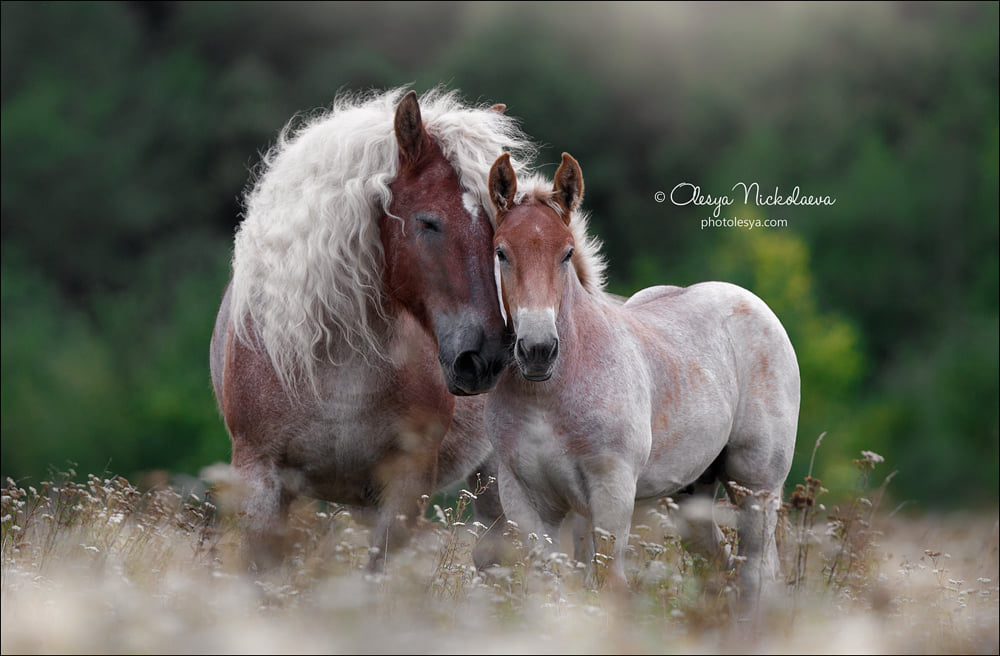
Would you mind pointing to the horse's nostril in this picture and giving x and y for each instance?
(469, 363)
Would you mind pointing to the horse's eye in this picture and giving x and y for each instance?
(427, 222)
(501, 256)
(568, 256)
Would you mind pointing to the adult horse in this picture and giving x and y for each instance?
(608, 402)
(361, 314)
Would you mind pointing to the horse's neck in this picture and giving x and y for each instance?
(381, 330)
(406, 340)
(348, 370)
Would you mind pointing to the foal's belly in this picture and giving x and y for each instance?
(678, 458)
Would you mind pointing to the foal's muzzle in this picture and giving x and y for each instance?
(536, 358)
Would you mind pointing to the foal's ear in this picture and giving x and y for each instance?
(409, 127)
(503, 185)
(568, 185)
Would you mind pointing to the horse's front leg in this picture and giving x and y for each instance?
(699, 532)
(403, 476)
(264, 504)
(583, 539)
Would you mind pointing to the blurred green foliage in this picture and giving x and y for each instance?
(129, 131)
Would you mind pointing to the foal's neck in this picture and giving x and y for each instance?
(579, 311)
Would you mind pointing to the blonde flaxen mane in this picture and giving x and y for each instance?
(307, 261)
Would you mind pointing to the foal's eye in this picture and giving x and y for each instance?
(568, 256)
(501, 256)
(427, 222)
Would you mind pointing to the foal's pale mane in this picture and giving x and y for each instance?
(588, 261)
(307, 261)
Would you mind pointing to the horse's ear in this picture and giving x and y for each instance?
(568, 185)
(503, 185)
(409, 127)
(499, 108)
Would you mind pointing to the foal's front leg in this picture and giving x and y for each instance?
(611, 492)
(491, 547)
(521, 507)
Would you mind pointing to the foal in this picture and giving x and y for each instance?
(605, 403)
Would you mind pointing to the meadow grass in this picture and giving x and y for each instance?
(99, 566)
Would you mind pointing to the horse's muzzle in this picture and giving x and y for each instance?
(474, 372)
(472, 362)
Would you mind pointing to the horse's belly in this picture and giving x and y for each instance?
(346, 459)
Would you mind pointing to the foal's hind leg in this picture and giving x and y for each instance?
(700, 533)
(757, 517)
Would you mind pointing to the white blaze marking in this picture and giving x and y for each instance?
(471, 204)
(496, 276)
(534, 320)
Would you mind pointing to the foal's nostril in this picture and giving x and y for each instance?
(520, 351)
(538, 352)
